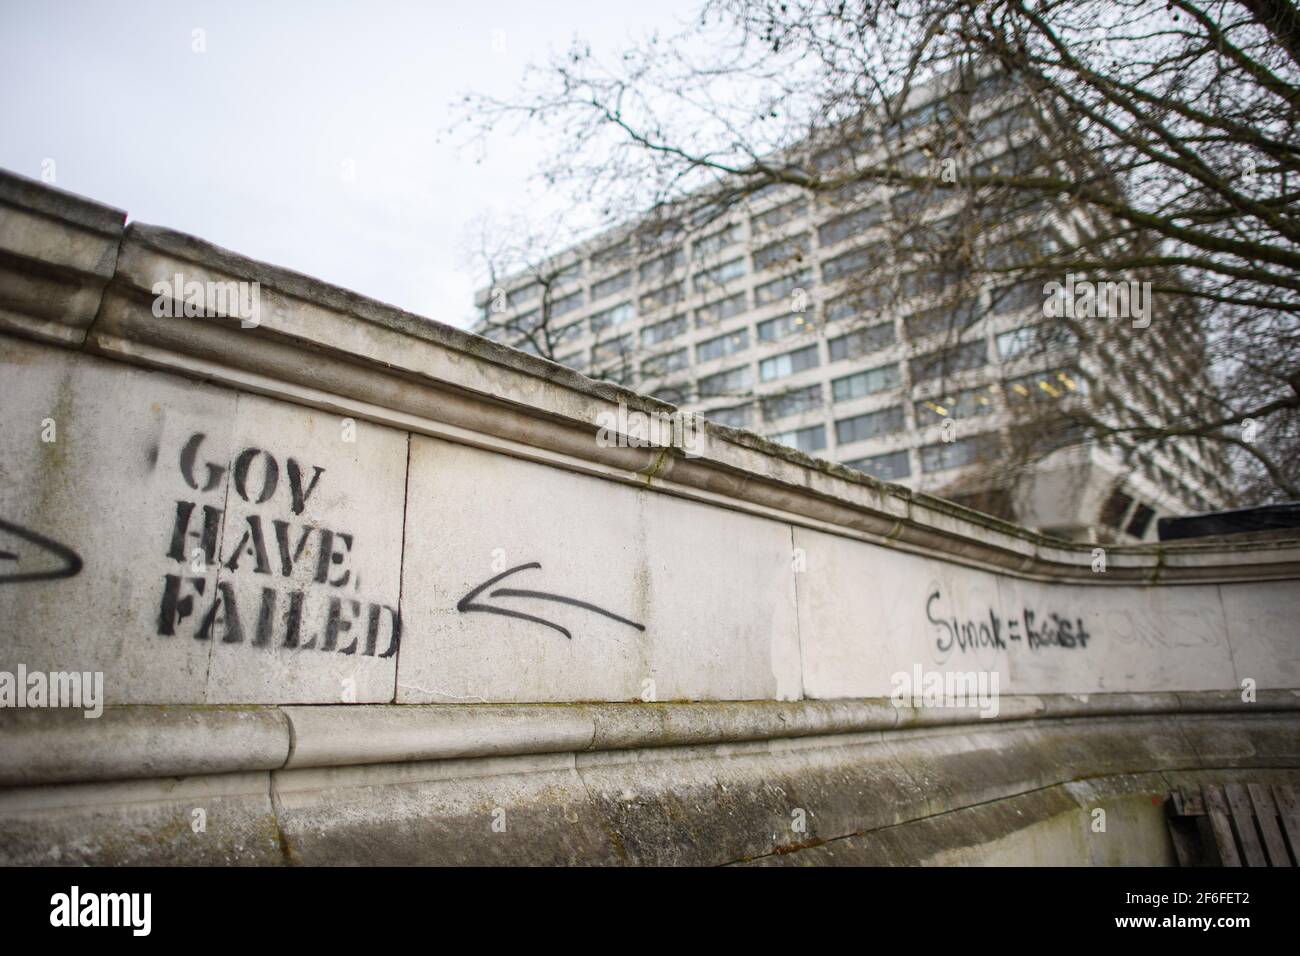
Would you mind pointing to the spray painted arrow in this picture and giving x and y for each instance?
(71, 561)
(467, 604)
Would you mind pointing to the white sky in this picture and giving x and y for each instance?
(244, 145)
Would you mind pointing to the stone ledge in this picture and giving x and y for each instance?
(325, 347)
(39, 747)
(57, 252)
(134, 742)
(686, 805)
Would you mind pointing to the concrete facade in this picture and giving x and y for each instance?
(781, 317)
(347, 572)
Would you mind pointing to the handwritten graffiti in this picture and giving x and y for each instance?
(69, 561)
(999, 632)
(302, 568)
(468, 604)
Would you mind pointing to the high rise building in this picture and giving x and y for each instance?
(842, 323)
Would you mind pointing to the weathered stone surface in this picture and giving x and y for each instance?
(57, 251)
(222, 820)
(60, 745)
(685, 602)
(343, 736)
(105, 488)
(509, 811)
(867, 615)
(335, 490)
(1263, 621)
(174, 497)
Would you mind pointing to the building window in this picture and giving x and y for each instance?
(574, 360)
(719, 275)
(780, 288)
(844, 151)
(887, 421)
(1022, 249)
(782, 253)
(661, 266)
(672, 394)
(780, 366)
(779, 215)
(853, 261)
(808, 440)
(567, 304)
(738, 416)
(526, 322)
(726, 383)
(610, 317)
(784, 326)
(946, 319)
(567, 334)
(568, 273)
(1044, 386)
(663, 331)
(1016, 342)
(956, 454)
(1013, 298)
(717, 241)
(613, 349)
(715, 312)
(667, 295)
(613, 284)
(850, 224)
(855, 304)
(1113, 511)
(792, 402)
(1001, 124)
(728, 344)
(612, 254)
(935, 111)
(949, 361)
(887, 467)
(1041, 337)
(865, 383)
(668, 362)
(525, 294)
(964, 404)
(862, 341)
(910, 203)
(931, 281)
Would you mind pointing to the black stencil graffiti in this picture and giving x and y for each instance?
(70, 560)
(284, 575)
(467, 604)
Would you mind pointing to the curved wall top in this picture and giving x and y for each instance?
(326, 499)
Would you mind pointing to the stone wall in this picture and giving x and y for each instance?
(332, 502)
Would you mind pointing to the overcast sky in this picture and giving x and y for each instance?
(249, 144)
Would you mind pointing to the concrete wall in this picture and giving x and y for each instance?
(334, 505)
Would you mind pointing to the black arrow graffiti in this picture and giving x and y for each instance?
(71, 560)
(467, 604)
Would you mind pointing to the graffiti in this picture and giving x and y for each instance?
(300, 568)
(1000, 632)
(468, 604)
(70, 562)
